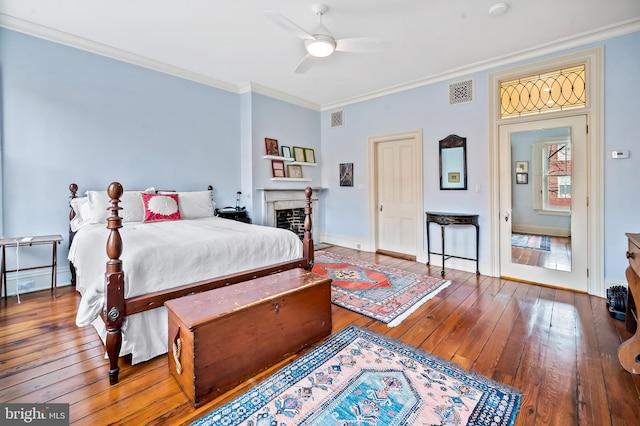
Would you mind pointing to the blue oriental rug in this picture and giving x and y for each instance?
(359, 377)
(532, 242)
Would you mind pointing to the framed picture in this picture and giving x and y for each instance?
(294, 170)
(522, 178)
(298, 154)
(309, 155)
(272, 146)
(277, 168)
(453, 177)
(346, 174)
(286, 151)
(522, 167)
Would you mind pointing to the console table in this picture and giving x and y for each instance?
(444, 220)
(54, 240)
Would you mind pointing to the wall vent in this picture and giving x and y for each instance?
(337, 119)
(461, 92)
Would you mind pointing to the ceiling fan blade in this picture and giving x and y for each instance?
(288, 25)
(305, 64)
(363, 45)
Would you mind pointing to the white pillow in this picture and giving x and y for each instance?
(195, 204)
(83, 214)
(131, 203)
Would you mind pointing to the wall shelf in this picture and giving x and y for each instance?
(302, 163)
(276, 157)
(292, 179)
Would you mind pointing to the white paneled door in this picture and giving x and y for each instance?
(398, 187)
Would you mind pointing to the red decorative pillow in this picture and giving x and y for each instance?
(159, 207)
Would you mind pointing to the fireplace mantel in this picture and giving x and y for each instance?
(283, 199)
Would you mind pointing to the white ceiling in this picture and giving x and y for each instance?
(232, 44)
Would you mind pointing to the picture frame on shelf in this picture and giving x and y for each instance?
(522, 178)
(277, 168)
(272, 147)
(298, 154)
(346, 174)
(294, 171)
(286, 151)
(309, 155)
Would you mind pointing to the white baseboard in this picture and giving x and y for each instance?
(541, 230)
(36, 280)
(346, 242)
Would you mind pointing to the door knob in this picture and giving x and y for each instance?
(380, 207)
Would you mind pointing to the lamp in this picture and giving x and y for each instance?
(321, 46)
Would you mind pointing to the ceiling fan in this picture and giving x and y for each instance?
(319, 43)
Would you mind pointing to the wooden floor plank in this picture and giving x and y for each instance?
(558, 347)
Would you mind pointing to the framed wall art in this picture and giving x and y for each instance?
(346, 174)
(522, 178)
(272, 146)
(522, 167)
(286, 151)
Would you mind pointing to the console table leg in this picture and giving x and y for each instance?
(442, 236)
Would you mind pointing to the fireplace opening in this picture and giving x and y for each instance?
(291, 219)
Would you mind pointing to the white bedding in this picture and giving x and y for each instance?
(161, 255)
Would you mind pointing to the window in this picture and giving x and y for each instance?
(557, 90)
(551, 163)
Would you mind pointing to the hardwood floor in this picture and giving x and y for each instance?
(558, 347)
(558, 257)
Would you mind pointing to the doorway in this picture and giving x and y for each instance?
(543, 209)
(396, 194)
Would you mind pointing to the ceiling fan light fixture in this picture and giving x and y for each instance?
(321, 46)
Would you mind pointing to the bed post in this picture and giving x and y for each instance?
(114, 312)
(307, 241)
(73, 188)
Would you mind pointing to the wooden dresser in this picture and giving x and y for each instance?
(629, 351)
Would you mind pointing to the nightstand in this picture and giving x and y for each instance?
(239, 215)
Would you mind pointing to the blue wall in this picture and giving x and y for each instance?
(72, 116)
(427, 108)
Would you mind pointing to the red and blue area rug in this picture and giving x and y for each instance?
(359, 377)
(386, 294)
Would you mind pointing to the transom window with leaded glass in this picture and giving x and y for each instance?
(557, 90)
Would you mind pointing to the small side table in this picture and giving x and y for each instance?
(446, 219)
(54, 240)
(239, 215)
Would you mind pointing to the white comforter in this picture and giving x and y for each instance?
(162, 255)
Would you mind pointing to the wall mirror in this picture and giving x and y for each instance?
(453, 162)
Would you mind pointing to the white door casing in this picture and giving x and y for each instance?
(593, 59)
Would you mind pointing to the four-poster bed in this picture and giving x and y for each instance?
(122, 310)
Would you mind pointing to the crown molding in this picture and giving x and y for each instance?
(70, 40)
(276, 94)
(578, 40)
(575, 41)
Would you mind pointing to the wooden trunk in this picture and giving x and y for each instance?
(229, 334)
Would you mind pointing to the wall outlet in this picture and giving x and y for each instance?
(27, 285)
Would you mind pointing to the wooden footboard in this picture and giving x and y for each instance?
(117, 307)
